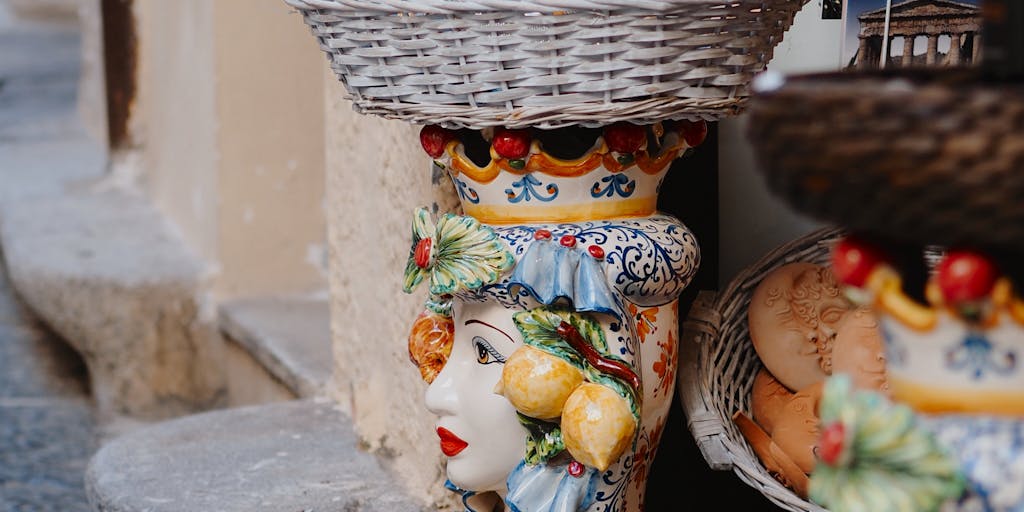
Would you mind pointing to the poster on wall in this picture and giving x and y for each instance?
(868, 24)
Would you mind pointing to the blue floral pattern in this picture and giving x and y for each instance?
(615, 184)
(650, 261)
(466, 192)
(980, 358)
(526, 190)
(990, 452)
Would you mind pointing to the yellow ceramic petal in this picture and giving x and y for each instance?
(597, 425)
(538, 383)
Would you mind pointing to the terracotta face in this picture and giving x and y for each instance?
(796, 427)
(793, 317)
(478, 429)
(859, 351)
(768, 398)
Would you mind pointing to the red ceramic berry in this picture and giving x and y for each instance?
(433, 138)
(576, 469)
(596, 251)
(694, 132)
(830, 447)
(965, 275)
(568, 241)
(422, 253)
(511, 144)
(542, 234)
(623, 137)
(853, 260)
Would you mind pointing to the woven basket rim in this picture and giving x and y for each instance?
(743, 463)
(524, 6)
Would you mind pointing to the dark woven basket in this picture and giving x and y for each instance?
(937, 158)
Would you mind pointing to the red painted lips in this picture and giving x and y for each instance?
(451, 445)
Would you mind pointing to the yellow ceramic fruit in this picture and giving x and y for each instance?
(538, 383)
(597, 425)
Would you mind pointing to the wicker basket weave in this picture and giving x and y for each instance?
(547, 63)
(718, 365)
(935, 158)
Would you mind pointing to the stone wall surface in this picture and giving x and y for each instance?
(229, 123)
(377, 175)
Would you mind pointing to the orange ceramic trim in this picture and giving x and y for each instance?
(506, 214)
(539, 161)
(655, 165)
(1017, 310)
(1002, 298)
(891, 299)
(463, 165)
(542, 162)
(936, 399)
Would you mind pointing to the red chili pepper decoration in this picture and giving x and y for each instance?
(617, 369)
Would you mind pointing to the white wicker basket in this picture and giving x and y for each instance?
(547, 63)
(718, 365)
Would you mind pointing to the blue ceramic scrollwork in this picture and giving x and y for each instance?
(616, 184)
(525, 189)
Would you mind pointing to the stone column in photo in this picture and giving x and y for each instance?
(908, 50)
(863, 59)
(933, 49)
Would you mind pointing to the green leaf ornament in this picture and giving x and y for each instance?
(457, 254)
(875, 457)
(544, 441)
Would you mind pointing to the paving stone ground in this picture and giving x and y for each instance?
(47, 429)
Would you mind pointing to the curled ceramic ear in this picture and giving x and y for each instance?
(430, 343)
(538, 383)
(597, 425)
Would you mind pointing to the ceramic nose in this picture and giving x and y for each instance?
(441, 397)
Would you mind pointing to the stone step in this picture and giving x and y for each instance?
(285, 457)
(289, 336)
(106, 271)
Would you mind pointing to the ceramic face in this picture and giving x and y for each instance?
(859, 351)
(481, 435)
(793, 320)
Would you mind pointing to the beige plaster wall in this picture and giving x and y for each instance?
(271, 143)
(229, 119)
(377, 175)
(175, 116)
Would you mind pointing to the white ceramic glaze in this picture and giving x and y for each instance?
(954, 367)
(463, 398)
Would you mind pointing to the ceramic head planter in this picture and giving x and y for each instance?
(561, 364)
(955, 440)
(957, 352)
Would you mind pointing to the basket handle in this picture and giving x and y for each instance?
(705, 425)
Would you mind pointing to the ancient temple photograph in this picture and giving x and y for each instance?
(917, 33)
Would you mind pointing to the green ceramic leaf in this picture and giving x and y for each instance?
(467, 254)
(888, 462)
(544, 441)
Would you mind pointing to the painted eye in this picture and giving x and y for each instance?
(485, 352)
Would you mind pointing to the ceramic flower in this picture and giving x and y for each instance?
(457, 254)
(875, 456)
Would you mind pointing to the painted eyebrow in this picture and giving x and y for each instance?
(481, 322)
